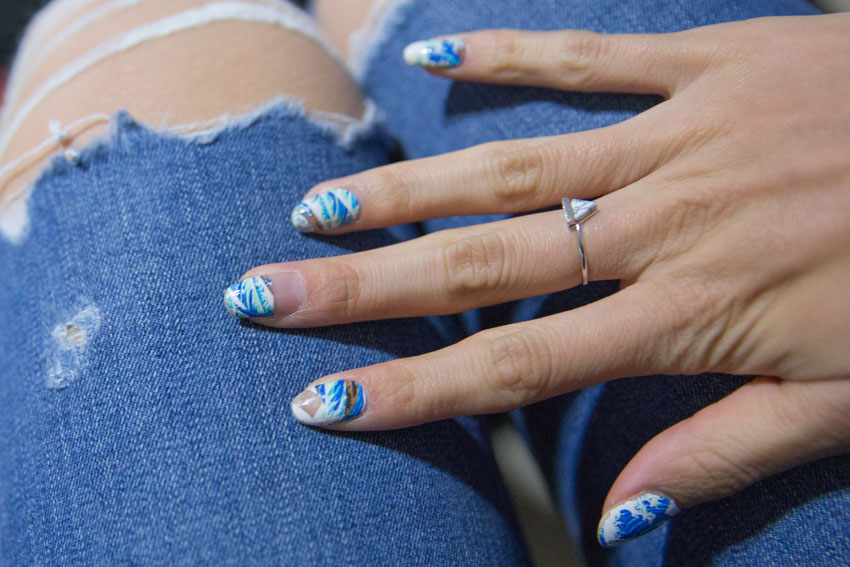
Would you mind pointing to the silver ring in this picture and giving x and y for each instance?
(577, 211)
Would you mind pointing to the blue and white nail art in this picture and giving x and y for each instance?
(326, 210)
(440, 52)
(250, 298)
(330, 402)
(635, 517)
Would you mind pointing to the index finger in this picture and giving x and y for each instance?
(569, 59)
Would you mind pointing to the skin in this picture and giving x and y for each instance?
(174, 80)
(339, 19)
(724, 212)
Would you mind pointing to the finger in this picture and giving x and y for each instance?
(444, 272)
(571, 59)
(499, 177)
(503, 368)
(763, 428)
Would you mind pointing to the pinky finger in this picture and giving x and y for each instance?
(763, 428)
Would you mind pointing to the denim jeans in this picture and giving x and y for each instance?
(141, 425)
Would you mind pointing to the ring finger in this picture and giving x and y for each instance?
(499, 177)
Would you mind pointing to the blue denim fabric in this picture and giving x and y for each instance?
(583, 440)
(171, 443)
(162, 435)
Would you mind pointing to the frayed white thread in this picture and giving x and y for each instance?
(13, 210)
(20, 77)
(62, 138)
(14, 215)
(363, 43)
(345, 128)
(72, 155)
(70, 343)
(46, 48)
(14, 220)
(292, 19)
(42, 23)
(50, 17)
(60, 135)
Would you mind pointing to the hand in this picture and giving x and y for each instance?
(724, 212)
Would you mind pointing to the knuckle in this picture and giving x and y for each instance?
(518, 175)
(519, 365)
(410, 394)
(401, 387)
(716, 473)
(582, 54)
(395, 184)
(682, 216)
(698, 336)
(340, 291)
(476, 264)
(505, 54)
(697, 132)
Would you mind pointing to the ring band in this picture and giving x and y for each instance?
(576, 211)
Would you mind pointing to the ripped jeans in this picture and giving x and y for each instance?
(141, 425)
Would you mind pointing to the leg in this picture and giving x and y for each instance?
(585, 439)
(339, 19)
(224, 77)
(141, 424)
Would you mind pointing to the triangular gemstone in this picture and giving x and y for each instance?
(582, 209)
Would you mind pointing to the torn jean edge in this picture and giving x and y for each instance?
(293, 19)
(365, 44)
(47, 46)
(346, 131)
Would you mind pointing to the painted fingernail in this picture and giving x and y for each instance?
(326, 210)
(635, 517)
(329, 402)
(439, 52)
(253, 297)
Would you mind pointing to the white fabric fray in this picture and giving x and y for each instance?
(364, 43)
(208, 13)
(14, 214)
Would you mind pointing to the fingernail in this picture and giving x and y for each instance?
(439, 52)
(329, 402)
(326, 210)
(635, 517)
(253, 297)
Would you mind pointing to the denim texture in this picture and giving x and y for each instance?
(583, 440)
(171, 442)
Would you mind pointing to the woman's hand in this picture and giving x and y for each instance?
(724, 212)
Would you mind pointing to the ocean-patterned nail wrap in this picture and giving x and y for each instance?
(326, 210)
(442, 52)
(331, 402)
(635, 517)
(250, 298)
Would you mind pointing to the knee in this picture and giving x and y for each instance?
(169, 63)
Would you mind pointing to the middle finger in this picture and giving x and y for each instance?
(444, 272)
